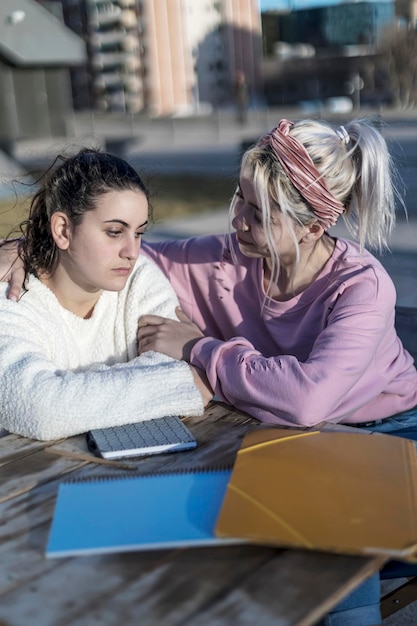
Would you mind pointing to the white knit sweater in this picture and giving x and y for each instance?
(61, 375)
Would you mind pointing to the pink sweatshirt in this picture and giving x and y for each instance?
(330, 353)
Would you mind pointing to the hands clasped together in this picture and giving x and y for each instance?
(171, 337)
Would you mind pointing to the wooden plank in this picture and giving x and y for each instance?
(72, 587)
(25, 473)
(71, 452)
(281, 587)
(13, 447)
(296, 590)
(222, 586)
(93, 585)
(24, 531)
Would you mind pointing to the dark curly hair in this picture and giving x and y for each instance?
(71, 187)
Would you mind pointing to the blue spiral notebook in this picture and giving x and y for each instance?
(156, 511)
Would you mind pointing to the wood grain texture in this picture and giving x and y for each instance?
(202, 586)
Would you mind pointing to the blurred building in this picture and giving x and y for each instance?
(164, 56)
(36, 50)
(406, 10)
(195, 49)
(326, 52)
(345, 24)
(111, 78)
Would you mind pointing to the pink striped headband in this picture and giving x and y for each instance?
(300, 169)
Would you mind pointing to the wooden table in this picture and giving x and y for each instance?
(201, 586)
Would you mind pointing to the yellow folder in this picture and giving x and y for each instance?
(333, 491)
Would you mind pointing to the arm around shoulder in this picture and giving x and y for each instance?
(11, 268)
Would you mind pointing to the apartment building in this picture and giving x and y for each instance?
(111, 78)
(166, 57)
(194, 49)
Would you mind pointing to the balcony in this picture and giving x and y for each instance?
(129, 19)
(100, 61)
(106, 80)
(133, 84)
(104, 15)
(131, 44)
(102, 40)
(113, 15)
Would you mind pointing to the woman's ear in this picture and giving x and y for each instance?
(61, 229)
(314, 231)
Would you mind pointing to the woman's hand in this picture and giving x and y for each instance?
(11, 268)
(176, 339)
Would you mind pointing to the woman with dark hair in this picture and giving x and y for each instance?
(68, 348)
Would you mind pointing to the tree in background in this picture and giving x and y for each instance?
(398, 49)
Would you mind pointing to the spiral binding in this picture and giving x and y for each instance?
(150, 474)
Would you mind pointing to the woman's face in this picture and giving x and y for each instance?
(102, 250)
(247, 222)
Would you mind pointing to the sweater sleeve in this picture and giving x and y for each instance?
(41, 401)
(341, 373)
